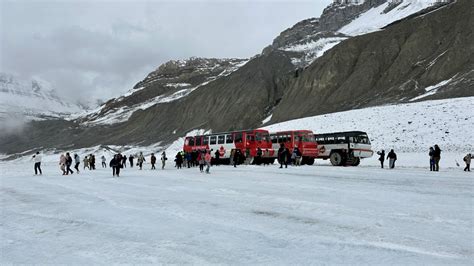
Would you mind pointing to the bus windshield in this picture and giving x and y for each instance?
(362, 139)
(304, 136)
(261, 136)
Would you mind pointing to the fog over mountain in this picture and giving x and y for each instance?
(92, 50)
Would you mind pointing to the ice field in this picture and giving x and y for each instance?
(244, 215)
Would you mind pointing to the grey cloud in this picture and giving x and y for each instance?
(90, 50)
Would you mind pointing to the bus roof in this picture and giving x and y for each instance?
(345, 133)
(228, 132)
(288, 131)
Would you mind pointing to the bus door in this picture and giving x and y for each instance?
(239, 141)
(250, 146)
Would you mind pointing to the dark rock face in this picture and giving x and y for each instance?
(390, 66)
(385, 67)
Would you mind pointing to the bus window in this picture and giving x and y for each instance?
(274, 138)
(238, 137)
(363, 139)
(191, 141)
(250, 138)
(229, 139)
(340, 139)
(330, 140)
(213, 140)
(220, 139)
(198, 141)
(205, 140)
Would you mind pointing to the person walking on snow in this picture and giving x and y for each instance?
(115, 165)
(179, 160)
(130, 159)
(163, 160)
(77, 161)
(86, 162)
(153, 161)
(62, 163)
(467, 160)
(104, 161)
(437, 157)
(208, 158)
(68, 164)
(392, 156)
(382, 157)
(37, 159)
(282, 156)
(432, 161)
(141, 160)
(124, 161)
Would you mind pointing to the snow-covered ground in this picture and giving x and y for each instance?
(245, 215)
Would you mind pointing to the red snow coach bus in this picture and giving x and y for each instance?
(247, 141)
(302, 139)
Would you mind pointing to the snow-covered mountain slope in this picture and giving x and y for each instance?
(410, 127)
(170, 82)
(385, 14)
(31, 100)
(311, 38)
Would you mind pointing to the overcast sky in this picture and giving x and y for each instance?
(100, 49)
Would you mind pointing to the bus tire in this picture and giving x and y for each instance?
(356, 161)
(336, 159)
(308, 161)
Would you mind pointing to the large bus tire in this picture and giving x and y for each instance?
(308, 161)
(336, 159)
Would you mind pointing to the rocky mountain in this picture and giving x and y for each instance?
(33, 99)
(170, 82)
(357, 54)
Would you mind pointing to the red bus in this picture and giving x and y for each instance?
(303, 139)
(247, 141)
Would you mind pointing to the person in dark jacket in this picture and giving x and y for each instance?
(217, 156)
(115, 165)
(467, 161)
(432, 161)
(68, 164)
(436, 156)
(392, 157)
(258, 158)
(130, 159)
(124, 161)
(382, 157)
(237, 157)
(282, 156)
(179, 160)
(153, 161)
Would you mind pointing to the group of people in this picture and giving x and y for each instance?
(285, 157)
(199, 158)
(391, 157)
(65, 163)
(204, 160)
(434, 155)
